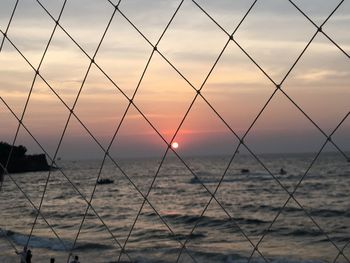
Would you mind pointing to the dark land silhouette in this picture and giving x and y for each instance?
(19, 161)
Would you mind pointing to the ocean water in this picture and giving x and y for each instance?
(312, 229)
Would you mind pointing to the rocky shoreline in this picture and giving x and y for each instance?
(20, 162)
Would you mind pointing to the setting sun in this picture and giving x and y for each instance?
(175, 145)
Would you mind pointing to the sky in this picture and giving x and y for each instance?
(274, 34)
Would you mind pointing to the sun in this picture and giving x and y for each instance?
(175, 145)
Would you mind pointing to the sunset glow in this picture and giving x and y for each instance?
(236, 88)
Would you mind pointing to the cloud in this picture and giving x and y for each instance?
(274, 34)
(321, 75)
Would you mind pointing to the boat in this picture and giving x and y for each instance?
(105, 181)
(195, 180)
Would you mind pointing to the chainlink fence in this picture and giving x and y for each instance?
(154, 46)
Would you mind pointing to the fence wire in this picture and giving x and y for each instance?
(231, 40)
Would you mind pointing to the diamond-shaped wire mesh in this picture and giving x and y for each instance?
(147, 41)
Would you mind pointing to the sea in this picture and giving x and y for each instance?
(199, 209)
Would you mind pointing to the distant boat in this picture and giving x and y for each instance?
(245, 171)
(282, 171)
(195, 180)
(105, 181)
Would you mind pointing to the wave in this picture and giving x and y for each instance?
(60, 214)
(142, 235)
(88, 246)
(35, 241)
(167, 255)
(207, 221)
(241, 257)
(305, 232)
(313, 212)
(207, 178)
(330, 212)
(254, 226)
(48, 243)
(237, 257)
